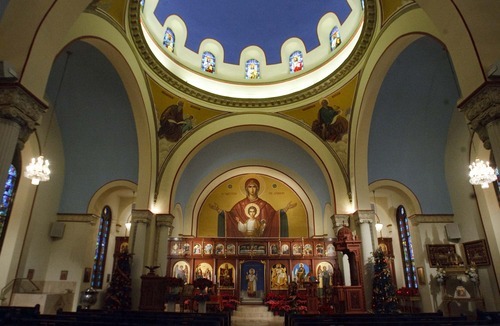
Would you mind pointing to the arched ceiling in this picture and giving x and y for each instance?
(235, 32)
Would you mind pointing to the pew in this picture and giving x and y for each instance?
(30, 316)
(490, 316)
(430, 319)
(9, 313)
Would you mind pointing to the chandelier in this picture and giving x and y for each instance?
(38, 170)
(481, 173)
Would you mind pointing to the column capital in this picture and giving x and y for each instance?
(142, 216)
(163, 220)
(340, 220)
(481, 108)
(18, 105)
(364, 216)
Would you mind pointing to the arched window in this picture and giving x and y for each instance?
(252, 69)
(496, 184)
(208, 62)
(101, 248)
(296, 62)
(335, 39)
(169, 40)
(9, 191)
(406, 248)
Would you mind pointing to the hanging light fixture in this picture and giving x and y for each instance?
(378, 226)
(481, 173)
(38, 169)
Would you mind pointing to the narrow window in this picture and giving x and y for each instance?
(406, 248)
(335, 39)
(9, 191)
(296, 62)
(169, 40)
(101, 248)
(252, 69)
(208, 62)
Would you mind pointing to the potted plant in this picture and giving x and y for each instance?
(174, 287)
(202, 296)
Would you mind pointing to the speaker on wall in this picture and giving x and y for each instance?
(57, 230)
(452, 231)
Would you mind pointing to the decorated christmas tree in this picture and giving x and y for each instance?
(384, 293)
(118, 293)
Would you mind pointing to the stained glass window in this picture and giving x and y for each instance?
(335, 39)
(169, 40)
(296, 62)
(208, 62)
(7, 200)
(406, 248)
(101, 249)
(252, 69)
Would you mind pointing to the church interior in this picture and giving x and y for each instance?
(270, 148)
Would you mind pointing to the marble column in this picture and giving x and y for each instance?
(164, 227)
(19, 116)
(141, 220)
(366, 220)
(482, 110)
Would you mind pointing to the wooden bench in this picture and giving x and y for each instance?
(9, 313)
(30, 316)
(376, 319)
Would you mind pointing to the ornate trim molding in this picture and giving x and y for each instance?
(142, 216)
(164, 220)
(78, 218)
(481, 108)
(362, 216)
(191, 91)
(18, 105)
(431, 218)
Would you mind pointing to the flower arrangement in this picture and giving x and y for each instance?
(202, 283)
(471, 272)
(229, 303)
(280, 304)
(172, 282)
(201, 297)
(174, 286)
(440, 275)
(407, 292)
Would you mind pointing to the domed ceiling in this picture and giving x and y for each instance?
(252, 51)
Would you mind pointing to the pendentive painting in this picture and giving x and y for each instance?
(252, 205)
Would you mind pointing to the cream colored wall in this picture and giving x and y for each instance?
(13, 244)
(73, 253)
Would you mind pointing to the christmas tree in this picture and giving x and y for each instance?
(384, 293)
(118, 293)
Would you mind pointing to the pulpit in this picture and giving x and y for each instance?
(153, 289)
(353, 295)
(312, 298)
